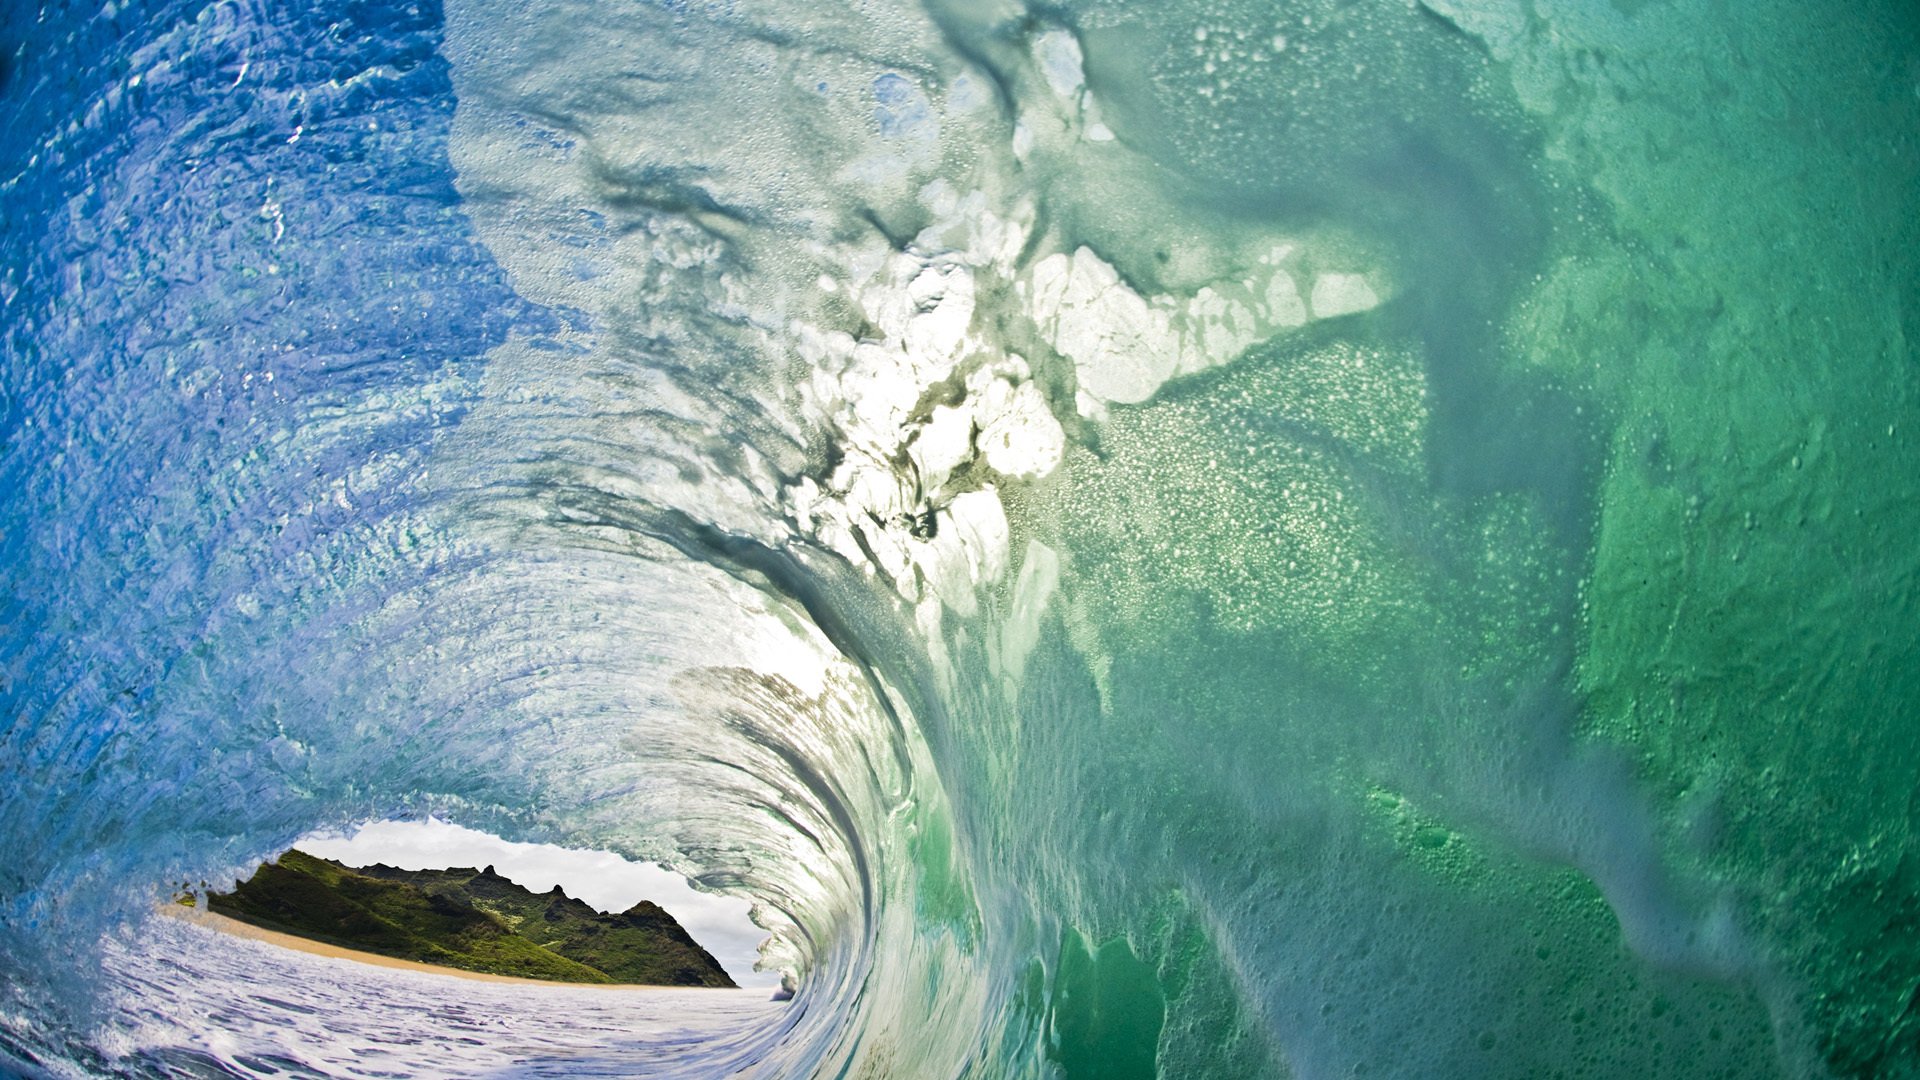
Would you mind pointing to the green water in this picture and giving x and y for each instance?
(1530, 670)
(1317, 539)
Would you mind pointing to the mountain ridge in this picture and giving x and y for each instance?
(471, 919)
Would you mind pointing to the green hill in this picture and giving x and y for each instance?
(475, 920)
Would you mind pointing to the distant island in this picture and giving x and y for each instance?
(470, 919)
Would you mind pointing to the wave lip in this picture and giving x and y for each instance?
(1145, 539)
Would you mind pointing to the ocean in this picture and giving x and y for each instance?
(1214, 538)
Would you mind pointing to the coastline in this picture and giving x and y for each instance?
(222, 924)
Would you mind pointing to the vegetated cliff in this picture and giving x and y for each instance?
(475, 920)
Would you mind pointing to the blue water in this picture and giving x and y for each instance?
(1203, 539)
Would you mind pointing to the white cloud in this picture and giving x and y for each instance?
(600, 878)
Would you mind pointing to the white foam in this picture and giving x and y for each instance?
(1019, 436)
(1126, 346)
(1122, 347)
(943, 443)
(1342, 294)
(1060, 59)
(892, 400)
(1284, 306)
(969, 548)
(1032, 591)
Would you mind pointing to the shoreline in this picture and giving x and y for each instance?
(222, 924)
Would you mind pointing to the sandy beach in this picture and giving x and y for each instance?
(225, 925)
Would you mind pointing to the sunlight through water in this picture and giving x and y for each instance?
(1212, 538)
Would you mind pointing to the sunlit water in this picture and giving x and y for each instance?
(1205, 539)
(191, 1001)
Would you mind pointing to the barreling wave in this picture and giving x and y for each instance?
(1148, 540)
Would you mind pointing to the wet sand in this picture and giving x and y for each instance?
(225, 925)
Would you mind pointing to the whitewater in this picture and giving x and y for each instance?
(1214, 538)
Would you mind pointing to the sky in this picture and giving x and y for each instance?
(600, 878)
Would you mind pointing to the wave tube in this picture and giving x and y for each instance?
(1195, 540)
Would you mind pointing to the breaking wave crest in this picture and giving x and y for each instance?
(1091, 517)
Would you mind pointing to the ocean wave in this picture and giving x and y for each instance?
(1186, 540)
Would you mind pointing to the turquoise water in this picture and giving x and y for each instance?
(1192, 540)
